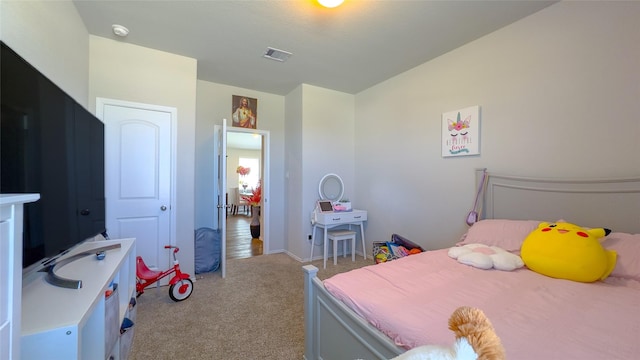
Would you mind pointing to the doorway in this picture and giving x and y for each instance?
(248, 150)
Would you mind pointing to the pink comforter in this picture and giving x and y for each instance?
(536, 317)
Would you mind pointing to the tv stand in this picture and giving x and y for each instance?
(62, 323)
(11, 216)
(59, 281)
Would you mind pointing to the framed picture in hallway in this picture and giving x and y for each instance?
(461, 132)
(244, 112)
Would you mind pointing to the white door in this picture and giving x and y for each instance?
(222, 189)
(138, 153)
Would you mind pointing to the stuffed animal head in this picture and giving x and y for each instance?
(567, 251)
(475, 339)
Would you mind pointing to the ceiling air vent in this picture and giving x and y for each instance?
(276, 54)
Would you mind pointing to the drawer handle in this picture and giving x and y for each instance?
(357, 217)
(335, 219)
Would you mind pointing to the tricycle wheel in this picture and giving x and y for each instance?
(181, 290)
(139, 287)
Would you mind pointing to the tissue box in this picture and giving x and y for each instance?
(342, 206)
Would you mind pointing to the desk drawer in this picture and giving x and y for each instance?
(342, 217)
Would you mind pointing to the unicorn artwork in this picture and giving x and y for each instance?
(460, 132)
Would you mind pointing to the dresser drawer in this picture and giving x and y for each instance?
(341, 217)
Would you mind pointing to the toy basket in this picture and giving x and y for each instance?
(397, 248)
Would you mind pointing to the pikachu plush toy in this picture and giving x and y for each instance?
(567, 251)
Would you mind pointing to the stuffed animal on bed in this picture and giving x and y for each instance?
(563, 250)
(475, 339)
(486, 257)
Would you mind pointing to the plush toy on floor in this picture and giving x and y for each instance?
(475, 339)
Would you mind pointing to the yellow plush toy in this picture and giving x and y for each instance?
(567, 251)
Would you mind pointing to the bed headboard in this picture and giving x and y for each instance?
(609, 203)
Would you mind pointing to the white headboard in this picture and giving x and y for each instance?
(608, 203)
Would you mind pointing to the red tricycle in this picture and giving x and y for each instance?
(181, 285)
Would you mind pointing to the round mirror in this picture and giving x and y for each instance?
(331, 187)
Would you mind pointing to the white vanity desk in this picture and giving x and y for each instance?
(328, 220)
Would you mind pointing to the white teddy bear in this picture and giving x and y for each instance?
(486, 257)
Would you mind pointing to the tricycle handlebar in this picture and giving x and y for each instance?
(175, 248)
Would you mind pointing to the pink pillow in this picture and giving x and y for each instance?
(506, 234)
(628, 248)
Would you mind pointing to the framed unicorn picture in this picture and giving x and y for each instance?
(461, 132)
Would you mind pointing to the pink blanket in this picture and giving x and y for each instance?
(536, 317)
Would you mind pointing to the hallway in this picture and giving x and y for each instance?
(239, 242)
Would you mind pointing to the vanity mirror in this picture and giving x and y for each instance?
(331, 188)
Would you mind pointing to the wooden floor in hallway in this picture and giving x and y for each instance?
(240, 244)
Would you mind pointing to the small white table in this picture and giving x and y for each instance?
(330, 220)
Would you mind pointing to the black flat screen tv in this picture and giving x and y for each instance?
(50, 145)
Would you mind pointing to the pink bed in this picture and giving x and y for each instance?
(536, 317)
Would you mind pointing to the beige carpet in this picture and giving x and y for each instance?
(256, 312)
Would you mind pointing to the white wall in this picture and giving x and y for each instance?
(559, 97)
(133, 73)
(51, 36)
(214, 104)
(296, 209)
(321, 143)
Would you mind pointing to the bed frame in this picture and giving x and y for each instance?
(333, 331)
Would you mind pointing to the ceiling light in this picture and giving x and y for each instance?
(120, 30)
(276, 54)
(330, 3)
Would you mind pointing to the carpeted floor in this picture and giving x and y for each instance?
(256, 312)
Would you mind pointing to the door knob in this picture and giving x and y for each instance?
(163, 208)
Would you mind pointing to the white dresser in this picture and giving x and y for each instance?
(80, 324)
(11, 210)
(340, 218)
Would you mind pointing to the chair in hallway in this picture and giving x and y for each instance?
(238, 203)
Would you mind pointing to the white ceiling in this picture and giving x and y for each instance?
(348, 49)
